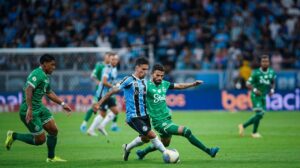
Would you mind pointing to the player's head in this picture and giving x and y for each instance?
(114, 59)
(141, 67)
(264, 62)
(47, 63)
(107, 56)
(158, 72)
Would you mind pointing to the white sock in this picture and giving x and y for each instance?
(83, 123)
(114, 124)
(95, 123)
(134, 143)
(158, 144)
(109, 117)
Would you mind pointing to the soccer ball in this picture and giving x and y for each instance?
(171, 156)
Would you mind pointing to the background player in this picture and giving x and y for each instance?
(108, 79)
(261, 82)
(34, 114)
(161, 116)
(134, 88)
(97, 76)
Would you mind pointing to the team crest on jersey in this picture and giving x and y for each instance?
(34, 78)
(145, 128)
(36, 128)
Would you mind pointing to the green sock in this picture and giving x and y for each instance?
(115, 119)
(149, 149)
(250, 121)
(51, 143)
(88, 114)
(27, 138)
(193, 140)
(259, 116)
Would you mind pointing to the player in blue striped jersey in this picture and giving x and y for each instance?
(134, 88)
(109, 76)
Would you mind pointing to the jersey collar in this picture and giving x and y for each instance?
(265, 72)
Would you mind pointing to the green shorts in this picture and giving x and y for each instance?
(166, 128)
(41, 115)
(258, 102)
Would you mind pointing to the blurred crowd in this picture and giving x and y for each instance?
(185, 34)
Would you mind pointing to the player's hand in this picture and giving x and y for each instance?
(198, 82)
(257, 93)
(67, 108)
(271, 92)
(28, 115)
(96, 107)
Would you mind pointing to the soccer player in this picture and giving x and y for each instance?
(34, 114)
(261, 83)
(108, 79)
(97, 76)
(161, 116)
(134, 88)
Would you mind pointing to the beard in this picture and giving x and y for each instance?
(157, 82)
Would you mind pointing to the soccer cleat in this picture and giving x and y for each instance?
(126, 153)
(103, 131)
(55, 159)
(241, 129)
(115, 128)
(9, 139)
(91, 133)
(256, 135)
(83, 128)
(140, 154)
(213, 151)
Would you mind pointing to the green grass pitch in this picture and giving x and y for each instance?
(279, 147)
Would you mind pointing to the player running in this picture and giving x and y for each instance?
(137, 118)
(108, 79)
(34, 114)
(261, 83)
(161, 116)
(97, 76)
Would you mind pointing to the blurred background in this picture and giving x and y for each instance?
(218, 41)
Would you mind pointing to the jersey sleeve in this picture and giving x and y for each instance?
(33, 80)
(48, 88)
(169, 85)
(251, 79)
(105, 72)
(125, 82)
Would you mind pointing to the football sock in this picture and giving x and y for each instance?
(51, 143)
(258, 116)
(193, 140)
(134, 143)
(158, 144)
(95, 123)
(27, 138)
(109, 117)
(88, 115)
(115, 119)
(250, 121)
(149, 149)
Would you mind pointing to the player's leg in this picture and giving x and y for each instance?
(114, 125)
(111, 103)
(259, 116)
(87, 117)
(97, 120)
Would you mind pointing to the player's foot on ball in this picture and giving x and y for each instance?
(241, 129)
(115, 128)
(55, 159)
(91, 133)
(83, 128)
(126, 153)
(103, 131)
(214, 151)
(256, 135)
(9, 139)
(140, 154)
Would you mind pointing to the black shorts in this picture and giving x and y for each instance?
(110, 102)
(141, 125)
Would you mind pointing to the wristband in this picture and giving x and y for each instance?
(272, 91)
(62, 103)
(254, 90)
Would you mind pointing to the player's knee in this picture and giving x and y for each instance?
(40, 139)
(166, 143)
(53, 131)
(187, 132)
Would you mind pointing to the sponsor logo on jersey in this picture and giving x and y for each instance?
(158, 98)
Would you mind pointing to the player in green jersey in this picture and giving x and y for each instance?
(261, 83)
(161, 116)
(34, 114)
(97, 76)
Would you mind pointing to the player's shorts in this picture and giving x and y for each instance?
(258, 102)
(41, 116)
(110, 102)
(166, 128)
(140, 124)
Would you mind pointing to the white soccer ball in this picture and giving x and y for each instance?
(171, 156)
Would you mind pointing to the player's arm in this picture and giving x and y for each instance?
(187, 85)
(272, 90)
(105, 82)
(94, 75)
(52, 96)
(113, 91)
(29, 92)
(250, 86)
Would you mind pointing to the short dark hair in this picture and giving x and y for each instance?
(264, 56)
(46, 58)
(158, 67)
(110, 53)
(141, 60)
